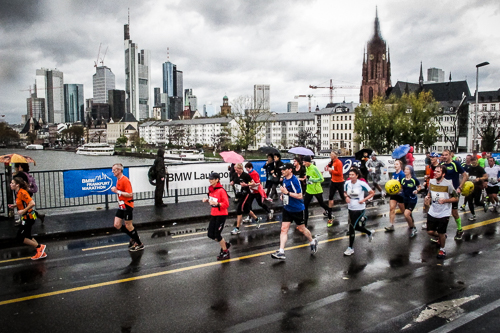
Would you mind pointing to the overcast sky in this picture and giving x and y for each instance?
(224, 47)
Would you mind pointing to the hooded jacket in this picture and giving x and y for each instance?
(219, 193)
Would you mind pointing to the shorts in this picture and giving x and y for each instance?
(375, 178)
(297, 217)
(437, 224)
(492, 189)
(454, 205)
(410, 206)
(125, 214)
(356, 218)
(398, 198)
(244, 205)
(334, 187)
(25, 229)
(216, 226)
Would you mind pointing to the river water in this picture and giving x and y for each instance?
(63, 160)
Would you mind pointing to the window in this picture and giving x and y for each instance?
(485, 106)
(337, 126)
(349, 117)
(349, 125)
(337, 136)
(341, 136)
(341, 117)
(341, 126)
(350, 136)
(492, 107)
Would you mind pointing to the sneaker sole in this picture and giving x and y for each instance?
(278, 258)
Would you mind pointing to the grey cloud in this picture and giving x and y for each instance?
(15, 14)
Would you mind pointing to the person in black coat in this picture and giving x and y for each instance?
(159, 166)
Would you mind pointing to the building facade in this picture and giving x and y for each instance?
(292, 107)
(488, 115)
(74, 103)
(262, 97)
(435, 75)
(50, 86)
(376, 72)
(102, 81)
(121, 128)
(116, 101)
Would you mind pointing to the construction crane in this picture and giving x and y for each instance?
(308, 96)
(98, 54)
(332, 88)
(104, 56)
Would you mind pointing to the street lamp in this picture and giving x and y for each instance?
(474, 138)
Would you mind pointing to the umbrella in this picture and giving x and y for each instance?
(301, 151)
(359, 154)
(16, 158)
(231, 157)
(268, 150)
(400, 151)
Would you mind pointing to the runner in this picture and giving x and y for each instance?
(241, 180)
(257, 192)
(374, 166)
(219, 201)
(23, 170)
(493, 172)
(271, 180)
(429, 174)
(293, 211)
(453, 172)
(440, 198)
(354, 191)
(125, 208)
(25, 205)
(397, 199)
(362, 168)
(483, 160)
(466, 165)
(299, 171)
(410, 188)
(479, 177)
(314, 178)
(336, 169)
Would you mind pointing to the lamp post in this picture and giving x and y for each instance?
(474, 137)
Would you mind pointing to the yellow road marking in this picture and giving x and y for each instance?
(190, 234)
(178, 270)
(103, 247)
(16, 259)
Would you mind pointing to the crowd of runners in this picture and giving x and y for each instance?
(301, 181)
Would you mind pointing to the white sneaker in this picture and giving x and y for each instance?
(247, 219)
(424, 226)
(235, 231)
(349, 251)
(370, 236)
(270, 215)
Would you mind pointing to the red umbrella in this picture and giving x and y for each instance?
(231, 157)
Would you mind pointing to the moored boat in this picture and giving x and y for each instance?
(34, 147)
(187, 155)
(96, 149)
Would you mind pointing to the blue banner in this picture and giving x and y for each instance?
(81, 183)
(259, 167)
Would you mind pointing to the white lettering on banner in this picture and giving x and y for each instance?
(100, 183)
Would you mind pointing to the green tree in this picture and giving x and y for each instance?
(250, 122)
(7, 134)
(388, 123)
(489, 130)
(122, 140)
(306, 138)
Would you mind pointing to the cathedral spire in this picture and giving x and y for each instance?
(377, 25)
(421, 77)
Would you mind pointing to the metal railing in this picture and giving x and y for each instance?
(50, 193)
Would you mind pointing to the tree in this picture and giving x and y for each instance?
(176, 135)
(489, 130)
(306, 138)
(122, 140)
(7, 134)
(388, 123)
(137, 141)
(73, 134)
(250, 122)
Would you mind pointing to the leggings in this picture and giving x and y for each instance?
(259, 200)
(474, 199)
(354, 217)
(307, 200)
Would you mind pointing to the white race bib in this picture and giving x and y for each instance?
(286, 199)
(237, 187)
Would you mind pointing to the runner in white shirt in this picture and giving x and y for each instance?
(354, 192)
(493, 172)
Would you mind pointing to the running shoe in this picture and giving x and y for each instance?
(224, 256)
(269, 199)
(136, 248)
(459, 235)
(325, 213)
(493, 208)
(390, 228)
(424, 226)
(462, 208)
(349, 251)
(247, 219)
(278, 255)
(330, 222)
(39, 252)
(441, 254)
(258, 221)
(485, 207)
(270, 215)
(383, 195)
(370, 236)
(235, 231)
(436, 240)
(314, 246)
(413, 232)
(472, 217)
(131, 243)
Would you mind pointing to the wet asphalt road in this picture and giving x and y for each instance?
(389, 285)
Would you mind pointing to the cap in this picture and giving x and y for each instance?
(483, 153)
(373, 154)
(287, 166)
(306, 159)
(434, 154)
(214, 175)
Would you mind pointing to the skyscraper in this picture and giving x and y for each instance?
(261, 97)
(208, 110)
(169, 79)
(49, 85)
(190, 99)
(73, 103)
(137, 78)
(292, 107)
(435, 75)
(116, 101)
(103, 81)
(173, 88)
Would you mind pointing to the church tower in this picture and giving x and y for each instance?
(376, 67)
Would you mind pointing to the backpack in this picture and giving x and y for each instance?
(152, 175)
(33, 188)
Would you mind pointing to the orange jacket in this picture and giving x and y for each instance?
(337, 172)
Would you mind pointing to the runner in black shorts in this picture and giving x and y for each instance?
(396, 200)
(410, 188)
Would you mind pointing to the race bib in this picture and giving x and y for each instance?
(493, 180)
(436, 197)
(237, 187)
(213, 199)
(121, 204)
(472, 178)
(286, 199)
(354, 194)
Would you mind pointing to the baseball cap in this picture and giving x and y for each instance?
(434, 154)
(287, 166)
(373, 154)
(306, 159)
(214, 175)
(483, 153)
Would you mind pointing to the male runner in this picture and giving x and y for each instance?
(314, 178)
(374, 166)
(336, 169)
(478, 176)
(493, 172)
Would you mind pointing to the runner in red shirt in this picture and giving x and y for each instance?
(256, 191)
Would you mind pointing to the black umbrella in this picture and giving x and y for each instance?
(359, 154)
(268, 150)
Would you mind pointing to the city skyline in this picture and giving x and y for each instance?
(226, 47)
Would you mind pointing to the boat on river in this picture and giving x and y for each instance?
(96, 149)
(34, 147)
(185, 155)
